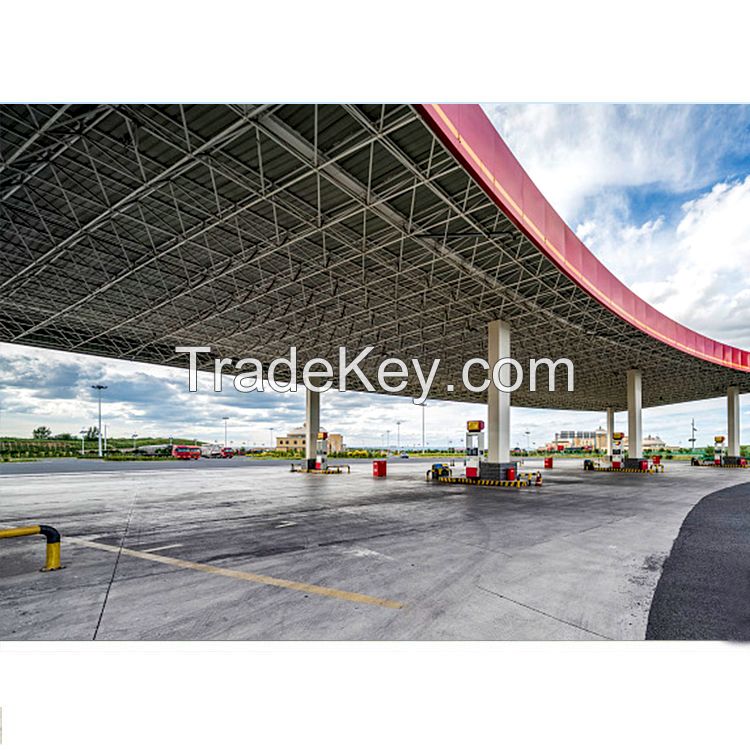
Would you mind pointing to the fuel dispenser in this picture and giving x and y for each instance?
(321, 451)
(479, 471)
(475, 450)
(718, 449)
(617, 438)
(319, 464)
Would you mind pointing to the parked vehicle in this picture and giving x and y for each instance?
(186, 452)
(404, 455)
(214, 450)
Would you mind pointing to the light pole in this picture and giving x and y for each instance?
(134, 436)
(82, 433)
(270, 429)
(528, 440)
(99, 388)
(424, 406)
(387, 441)
(398, 436)
(226, 419)
(693, 429)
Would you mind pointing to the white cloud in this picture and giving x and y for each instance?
(152, 400)
(590, 160)
(694, 268)
(576, 151)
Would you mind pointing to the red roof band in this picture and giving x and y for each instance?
(473, 140)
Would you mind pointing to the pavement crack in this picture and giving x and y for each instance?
(544, 614)
(114, 567)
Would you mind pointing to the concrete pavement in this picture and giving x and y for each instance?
(206, 544)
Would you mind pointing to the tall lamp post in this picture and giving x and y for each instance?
(99, 388)
(398, 436)
(424, 406)
(226, 419)
(82, 433)
(134, 436)
(693, 430)
(272, 446)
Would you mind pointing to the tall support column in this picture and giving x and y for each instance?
(635, 431)
(610, 430)
(312, 422)
(733, 421)
(498, 402)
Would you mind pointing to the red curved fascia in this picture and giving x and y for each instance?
(471, 137)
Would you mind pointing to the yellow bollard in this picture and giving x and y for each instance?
(52, 559)
(52, 535)
(19, 531)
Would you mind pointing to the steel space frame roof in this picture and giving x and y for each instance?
(127, 230)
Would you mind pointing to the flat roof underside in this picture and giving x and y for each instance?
(127, 230)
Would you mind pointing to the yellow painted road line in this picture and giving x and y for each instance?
(308, 588)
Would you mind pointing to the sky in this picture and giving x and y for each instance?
(659, 193)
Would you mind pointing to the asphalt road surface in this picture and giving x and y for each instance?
(704, 590)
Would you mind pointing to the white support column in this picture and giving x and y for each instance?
(498, 402)
(610, 430)
(312, 422)
(635, 431)
(733, 421)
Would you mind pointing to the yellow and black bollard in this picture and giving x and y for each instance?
(52, 535)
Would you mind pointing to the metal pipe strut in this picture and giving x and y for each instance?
(52, 535)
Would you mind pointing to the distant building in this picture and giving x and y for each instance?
(296, 440)
(583, 439)
(650, 443)
(597, 440)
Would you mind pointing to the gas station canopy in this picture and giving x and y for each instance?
(128, 230)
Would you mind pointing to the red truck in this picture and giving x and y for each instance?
(216, 451)
(186, 452)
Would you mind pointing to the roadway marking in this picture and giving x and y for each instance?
(308, 588)
(159, 549)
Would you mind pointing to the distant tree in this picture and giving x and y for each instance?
(92, 433)
(41, 433)
(63, 436)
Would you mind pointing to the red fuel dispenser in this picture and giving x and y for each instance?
(617, 438)
(474, 447)
(321, 451)
(718, 449)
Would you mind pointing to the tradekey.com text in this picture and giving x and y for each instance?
(393, 374)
